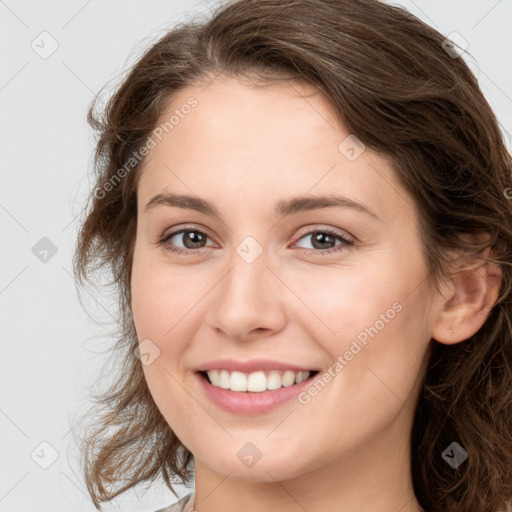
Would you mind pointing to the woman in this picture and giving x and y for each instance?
(304, 207)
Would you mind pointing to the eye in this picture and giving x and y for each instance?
(323, 241)
(192, 239)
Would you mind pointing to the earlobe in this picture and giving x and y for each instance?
(465, 308)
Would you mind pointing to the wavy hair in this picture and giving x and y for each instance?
(392, 83)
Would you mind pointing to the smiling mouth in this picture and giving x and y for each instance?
(256, 382)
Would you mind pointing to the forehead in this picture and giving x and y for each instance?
(251, 118)
(248, 141)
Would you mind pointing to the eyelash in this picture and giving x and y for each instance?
(347, 242)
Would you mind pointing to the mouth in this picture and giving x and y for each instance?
(255, 393)
(256, 382)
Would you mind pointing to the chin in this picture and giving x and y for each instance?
(278, 467)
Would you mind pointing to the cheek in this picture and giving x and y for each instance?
(339, 304)
(377, 352)
(373, 319)
(162, 297)
(161, 306)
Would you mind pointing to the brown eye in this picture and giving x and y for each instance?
(320, 240)
(185, 240)
(191, 239)
(323, 241)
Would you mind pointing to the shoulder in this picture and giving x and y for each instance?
(180, 505)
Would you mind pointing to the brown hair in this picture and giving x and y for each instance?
(393, 85)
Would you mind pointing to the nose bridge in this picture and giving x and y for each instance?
(246, 298)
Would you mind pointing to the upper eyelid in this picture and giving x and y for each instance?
(175, 231)
(337, 231)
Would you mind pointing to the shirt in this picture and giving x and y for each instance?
(181, 505)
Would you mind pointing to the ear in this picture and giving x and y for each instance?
(471, 294)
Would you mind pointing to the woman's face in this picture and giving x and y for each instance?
(273, 275)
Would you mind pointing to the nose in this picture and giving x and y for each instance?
(248, 301)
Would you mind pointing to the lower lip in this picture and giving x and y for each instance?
(247, 402)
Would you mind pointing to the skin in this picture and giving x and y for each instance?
(244, 148)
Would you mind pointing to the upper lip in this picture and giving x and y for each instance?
(250, 365)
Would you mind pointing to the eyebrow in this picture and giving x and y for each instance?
(283, 207)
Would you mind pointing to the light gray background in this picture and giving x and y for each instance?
(50, 347)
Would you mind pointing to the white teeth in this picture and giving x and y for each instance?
(238, 381)
(288, 378)
(273, 380)
(299, 378)
(255, 382)
(223, 381)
